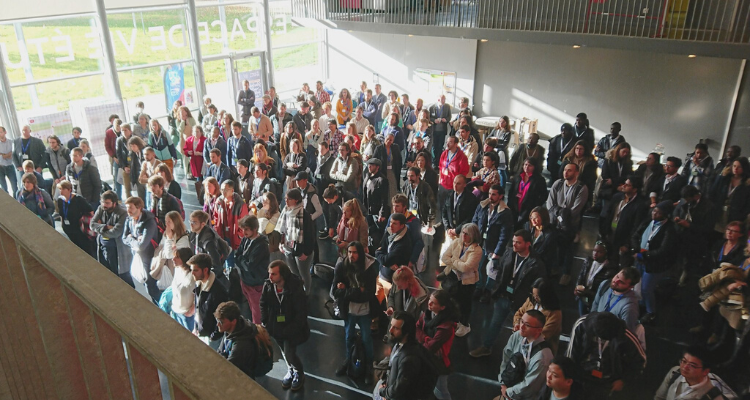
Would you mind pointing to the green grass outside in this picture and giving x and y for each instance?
(139, 82)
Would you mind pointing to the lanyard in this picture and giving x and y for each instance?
(654, 230)
(563, 145)
(463, 250)
(527, 356)
(607, 307)
(721, 253)
(257, 125)
(594, 270)
(567, 192)
(601, 350)
(77, 174)
(450, 159)
(521, 185)
(280, 298)
(65, 207)
(24, 148)
(518, 265)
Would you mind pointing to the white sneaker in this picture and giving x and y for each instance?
(462, 330)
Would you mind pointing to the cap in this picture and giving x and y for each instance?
(666, 207)
(302, 175)
(374, 161)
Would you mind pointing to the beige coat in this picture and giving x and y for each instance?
(466, 267)
(261, 129)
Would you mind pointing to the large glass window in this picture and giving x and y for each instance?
(149, 37)
(227, 29)
(147, 85)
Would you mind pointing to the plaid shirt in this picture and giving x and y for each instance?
(322, 96)
(334, 140)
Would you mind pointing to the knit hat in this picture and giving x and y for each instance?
(666, 207)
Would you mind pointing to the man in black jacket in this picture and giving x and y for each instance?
(238, 343)
(395, 250)
(495, 221)
(406, 364)
(162, 202)
(85, 178)
(303, 119)
(109, 222)
(583, 131)
(252, 259)
(655, 244)
(670, 184)
(203, 239)
(626, 212)
(559, 146)
(283, 307)
(375, 200)
(694, 217)
(420, 196)
(208, 296)
(514, 273)
(28, 148)
(459, 207)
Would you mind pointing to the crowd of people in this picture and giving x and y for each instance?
(389, 182)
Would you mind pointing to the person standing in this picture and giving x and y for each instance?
(122, 153)
(240, 343)
(462, 259)
(283, 307)
(58, 159)
(246, 101)
(626, 212)
(208, 295)
(516, 270)
(440, 114)
(36, 200)
(453, 162)
(260, 126)
(193, 151)
(6, 163)
(72, 209)
(137, 161)
(495, 221)
(532, 149)
(27, 148)
(76, 140)
(162, 202)
(161, 143)
(669, 185)
(229, 209)
(354, 285)
(109, 222)
(608, 142)
(141, 234)
(420, 197)
(298, 236)
(699, 168)
(344, 107)
(394, 250)
(435, 331)
(389, 154)
(582, 130)
(252, 258)
(238, 148)
(459, 209)
(183, 284)
(379, 99)
(214, 141)
(528, 190)
(559, 146)
(566, 201)
(375, 198)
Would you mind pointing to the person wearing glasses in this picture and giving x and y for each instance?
(692, 379)
(526, 358)
(609, 355)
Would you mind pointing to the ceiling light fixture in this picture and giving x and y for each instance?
(692, 56)
(576, 46)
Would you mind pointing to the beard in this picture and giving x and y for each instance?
(392, 340)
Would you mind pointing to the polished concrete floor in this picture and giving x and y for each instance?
(324, 351)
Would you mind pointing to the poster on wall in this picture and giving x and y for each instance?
(256, 85)
(432, 83)
(174, 85)
(59, 124)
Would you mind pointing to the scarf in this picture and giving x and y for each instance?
(433, 321)
(267, 108)
(291, 221)
(37, 196)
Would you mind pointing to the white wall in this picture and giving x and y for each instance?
(356, 56)
(670, 99)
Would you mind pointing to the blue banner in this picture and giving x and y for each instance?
(174, 85)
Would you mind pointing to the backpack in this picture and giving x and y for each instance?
(432, 368)
(223, 248)
(356, 367)
(264, 361)
(275, 187)
(515, 371)
(710, 395)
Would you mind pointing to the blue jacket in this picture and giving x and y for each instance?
(240, 149)
(221, 144)
(142, 236)
(371, 111)
(163, 146)
(220, 172)
(497, 232)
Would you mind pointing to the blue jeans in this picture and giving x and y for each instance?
(9, 171)
(350, 324)
(115, 172)
(229, 262)
(187, 322)
(648, 287)
(500, 312)
(441, 388)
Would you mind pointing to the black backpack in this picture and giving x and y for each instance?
(515, 371)
(356, 368)
(710, 395)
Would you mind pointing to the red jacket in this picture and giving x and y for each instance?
(459, 165)
(110, 141)
(196, 157)
(441, 342)
(228, 219)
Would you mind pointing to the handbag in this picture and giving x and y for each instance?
(137, 272)
(199, 191)
(161, 270)
(86, 225)
(451, 283)
(333, 309)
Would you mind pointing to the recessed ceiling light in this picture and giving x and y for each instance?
(411, 35)
(692, 56)
(485, 40)
(576, 46)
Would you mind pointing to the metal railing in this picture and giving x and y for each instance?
(723, 21)
(71, 329)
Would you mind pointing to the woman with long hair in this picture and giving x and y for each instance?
(285, 142)
(461, 272)
(137, 158)
(193, 149)
(211, 193)
(172, 186)
(35, 199)
(527, 191)
(615, 171)
(175, 237)
(294, 163)
(486, 177)
(353, 287)
(344, 107)
(297, 236)
(87, 154)
(159, 140)
(183, 284)
(226, 125)
(260, 155)
(581, 156)
(268, 215)
(435, 329)
(370, 142)
(352, 226)
(351, 130)
(141, 128)
(312, 141)
(506, 137)
(543, 237)
(733, 194)
(544, 299)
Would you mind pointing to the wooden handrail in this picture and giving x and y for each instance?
(67, 309)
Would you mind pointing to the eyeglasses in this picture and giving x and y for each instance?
(733, 230)
(192, 223)
(685, 363)
(526, 324)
